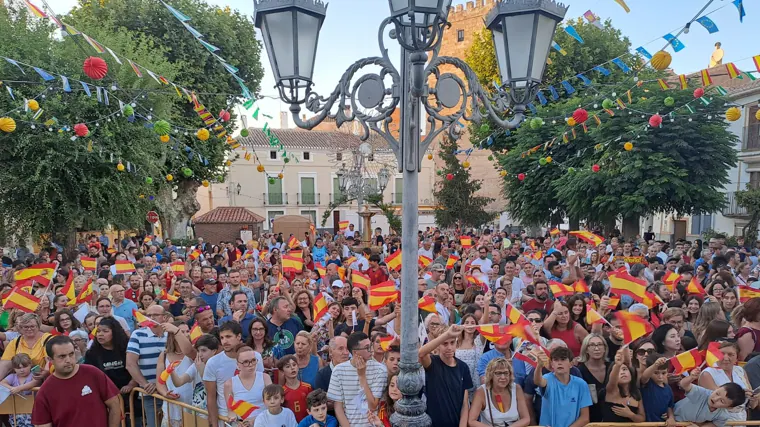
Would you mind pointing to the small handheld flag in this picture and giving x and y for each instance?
(164, 377)
(143, 320)
(241, 408)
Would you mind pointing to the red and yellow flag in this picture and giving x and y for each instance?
(706, 79)
(652, 300)
(581, 286)
(320, 307)
(427, 303)
(538, 255)
(192, 256)
(520, 331)
(166, 297)
(291, 264)
(263, 253)
(663, 85)
(393, 261)
(554, 231)
(694, 287)
(195, 333)
(350, 260)
(94, 333)
(593, 317)
(451, 261)
(22, 300)
(515, 316)
(493, 333)
(178, 267)
(686, 361)
(713, 355)
(466, 242)
(424, 261)
(560, 290)
(124, 266)
(385, 342)
(671, 280)
(167, 373)
(320, 269)
(746, 293)
(89, 264)
(298, 252)
(474, 281)
(143, 320)
(587, 237)
(293, 242)
(733, 72)
(614, 301)
(36, 11)
(40, 273)
(342, 273)
(683, 81)
(632, 325)
(68, 288)
(382, 294)
(654, 319)
(360, 280)
(241, 408)
(343, 225)
(85, 296)
(756, 60)
(623, 283)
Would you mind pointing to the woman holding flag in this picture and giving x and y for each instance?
(500, 401)
(559, 325)
(171, 359)
(244, 392)
(622, 398)
(721, 360)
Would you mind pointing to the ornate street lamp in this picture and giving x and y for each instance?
(383, 177)
(522, 30)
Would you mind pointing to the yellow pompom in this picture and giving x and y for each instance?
(430, 157)
(202, 134)
(205, 183)
(549, 159)
(170, 177)
(733, 114)
(503, 173)
(7, 124)
(628, 146)
(33, 105)
(571, 121)
(120, 167)
(757, 115)
(465, 164)
(228, 163)
(280, 176)
(661, 60)
(142, 196)
(164, 138)
(260, 168)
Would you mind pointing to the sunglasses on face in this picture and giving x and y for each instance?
(644, 351)
(202, 309)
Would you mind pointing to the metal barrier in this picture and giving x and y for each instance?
(662, 424)
(192, 416)
(21, 405)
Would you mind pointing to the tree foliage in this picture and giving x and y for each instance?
(750, 199)
(457, 203)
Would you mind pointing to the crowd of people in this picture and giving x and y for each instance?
(302, 330)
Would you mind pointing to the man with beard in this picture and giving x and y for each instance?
(72, 387)
(540, 299)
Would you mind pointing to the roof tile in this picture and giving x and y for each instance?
(229, 215)
(304, 139)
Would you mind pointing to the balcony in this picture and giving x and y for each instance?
(275, 199)
(732, 208)
(397, 198)
(308, 199)
(751, 140)
(334, 197)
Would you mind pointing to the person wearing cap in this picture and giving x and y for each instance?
(337, 289)
(436, 275)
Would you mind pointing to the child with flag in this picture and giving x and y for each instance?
(721, 358)
(707, 406)
(566, 398)
(246, 389)
(656, 393)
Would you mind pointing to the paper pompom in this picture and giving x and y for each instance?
(699, 92)
(95, 68)
(628, 146)
(485, 128)
(187, 172)
(655, 121)
(149, 180)
(202, 134)
(170, 177)
(757, 115)
(669, 101)
(430, 157)
(542, 161)
(571, 170)
(503, 173)
(595, 168)
(536, 123)
(33, 105)
(244, 133)
(162, 127)
(449, 176)
(7, 124)
(661, 60)
(521, 177)
(465, 164)
(280, 176)
(81, 130)
(271, 180)
(228, 163)
(224, 116)
(607, 104)
(120, 167)
(733, 114)
(128, 110)
(549, 159)
(571, 122)
(260, 168)
(164, 138)
(490, 158)
(286, 160)
(205, 183)
(580, 115)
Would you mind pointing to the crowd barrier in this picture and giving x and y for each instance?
(191, 416)
(18, 405)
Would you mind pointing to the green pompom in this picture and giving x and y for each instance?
(162, 127)
(286, 160)
(128, 110)
(669, 101)
(490, 158)
(571, 170)
(187, 172)
(607, 103)
(244, 133)
(484, 128)
(542, 161)
(149, 180)
(271, 180)
(536, 123)
(439, 172)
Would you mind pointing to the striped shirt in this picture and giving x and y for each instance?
(345, 388)
(147, 346)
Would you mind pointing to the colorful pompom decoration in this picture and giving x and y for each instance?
(580, 115)
(571, 121)
(162, 127)
(542, 161)
(33, 105)
(757, 115)
(661, 60)
(170, 177)
(203, 134)
(628, 146)
(81, 130)
(571, 170)
(271, 180)
(430, 156)
(164, 138)
(503, 173)
(7, 124)
(95, 68)
(120, 167)
(669, 101)
(465, 164)
(205, 183)
(607, 104)
(244, 133)
(128, 110)
(280, 176)
(260, 168)
(536, 123)
(228, 163)
(521, 177)
(449, 176)
(595, 168)
(733, 114)
(699, 92)
(655, 121)
(224, 116)
(149, 180)
(549, 159)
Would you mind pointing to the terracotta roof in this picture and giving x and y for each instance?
(720, 77)
(304, 139)
(229, 215)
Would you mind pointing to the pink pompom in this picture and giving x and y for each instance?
(521, 177)
(595, 168)
(81, 130)
(699, 92)
(95, 68)
(224, 116)
(655, 121)
(580, 115)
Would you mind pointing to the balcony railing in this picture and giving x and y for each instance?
(275, 199)
(751, 137)
(334, 197)
(397, 198)
(306, 199)
(732, 208)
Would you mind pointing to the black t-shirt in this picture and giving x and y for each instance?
(348, 329)
(612, 348)
(595, 412)
(112, 364)
(445, 385)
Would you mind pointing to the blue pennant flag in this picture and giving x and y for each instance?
(677, 45)
(602, 70)
(66, 85)
(105, 97)
(532, 109)
(619, 62)
(574, 34)
(490, 139)
(230, 68)
(177, 14)
(10, 92)
(11, 61)
(555, 95)
(210, 47)
(708, 24)
(568, 88)
(99, 93)
(86, 89)
(644, 52)
(192, 30)
(541, 97)
(584, 79)
(740, 7)
(44, 74)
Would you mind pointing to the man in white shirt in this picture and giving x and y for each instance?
(482, 261)
(517, 284)
(426, 249)
(350, 231)
(441, 294)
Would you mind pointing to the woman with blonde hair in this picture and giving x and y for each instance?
(594, 370)
(308, 362)
(707, 313)
(500, 401)
(177, 337)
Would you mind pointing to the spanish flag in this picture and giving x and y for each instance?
(424, 261)
(756, 60)
(22, 300)
(195, 333)
(663, 85)
(684, 82)
(166, 297)
(85, 296)
(291, 264)
(520, 331)
(746, 293)
(393, 261)
(124, 266)
(320, 269)
(694, 287)
(343, 225)
(68, 288)
(474, 281)
(623, 283)
(143, 321)
(654, 319)
(686, 361)
(298, 253)
(538, 255)
(241, 408)
(192, 256)
(614, 301)
(360, 280)
(427, 303)
(671, 280)
(167, 373)
(385, 342)
(342, 273)
(713, 355)
(382, 294)
(581, 286)
(493, 333)
(588, 237)
(593, 317)
(89, 264)
(178, 267)
(632, 325)
(350, 260)
(466, 242)
(652, 300)
(560, 290)
(293, 242)
(733, 72)
(515, 316)
(451, 261)
(40, 273)
(94, 333)
(320, 307)
(554, 231)
(263, 254)
(706, 79)
(36, 11)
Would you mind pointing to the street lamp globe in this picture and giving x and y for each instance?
(425, 19)
(522, 34)
(290, 29)
(383, 177)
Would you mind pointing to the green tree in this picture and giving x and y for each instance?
(457, 203)
(234, 34)
(750, 199)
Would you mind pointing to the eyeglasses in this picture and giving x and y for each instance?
(248, 363)
(501, 374)
(202, 309)
(596, 345)
(534, 320)
(644, 351)
(258, 329)
(457, 278)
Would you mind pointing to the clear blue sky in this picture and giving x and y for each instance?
(350, 33)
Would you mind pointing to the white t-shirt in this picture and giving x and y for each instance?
(220, 368)
(284, 419)
(484, 264)
(345, 388)
(349, 233)
(427, 252)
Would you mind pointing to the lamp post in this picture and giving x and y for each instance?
(522, 30)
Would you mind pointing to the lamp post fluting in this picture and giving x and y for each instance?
(522, 30)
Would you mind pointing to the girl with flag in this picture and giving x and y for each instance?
(247, 386)
(622, 400)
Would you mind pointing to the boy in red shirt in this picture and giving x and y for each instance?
(295, 389)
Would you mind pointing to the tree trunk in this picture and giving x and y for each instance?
(608, 225)
(750, 230)
(176, 207)
(70, 249)
(631, 226)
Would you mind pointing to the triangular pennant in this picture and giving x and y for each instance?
(645, 53)
(86, 88)
(554, 93)
(677, 45)
(602, 70)
(116, 58)
(10, 92)
(135, 68)
(708, 24)
(12, 61)
(44, 74)
(66, 85)
(619, 62)
(208, 46)
(192, 30)
(586, 81)
(177, 14)
(569, 29)
(568, 88)
(541, 98)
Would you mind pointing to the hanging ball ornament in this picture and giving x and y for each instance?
(271, 180)
(224, 116)
(203, 134)
(699, 92)
(549, 159)
(607, 104)
(757, 115)
(120, 167)
(244, 133)
(149, 180)
(430, 157)
(655, 121)
(7, 124)
(164, 138)
(33, 105)
(95, 68)
(503, 173)
(205, 183)
(485, 128)
(661, 60)
(439, 172)
(571, 121)
(465, 164)
(669, 101)
(536, 123)
(260, 168)
(542, 161)
(170, 177)
(521, 177)
(449, 176)
(733, 114)
(571, 170)
(162, 127)
(595, 168)
(228, 163)
(81, 130)
(280, 176)
(187, 172)
(628, 146)
(286, 160)
(580, 115)
(490, 158)
(128, 110)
